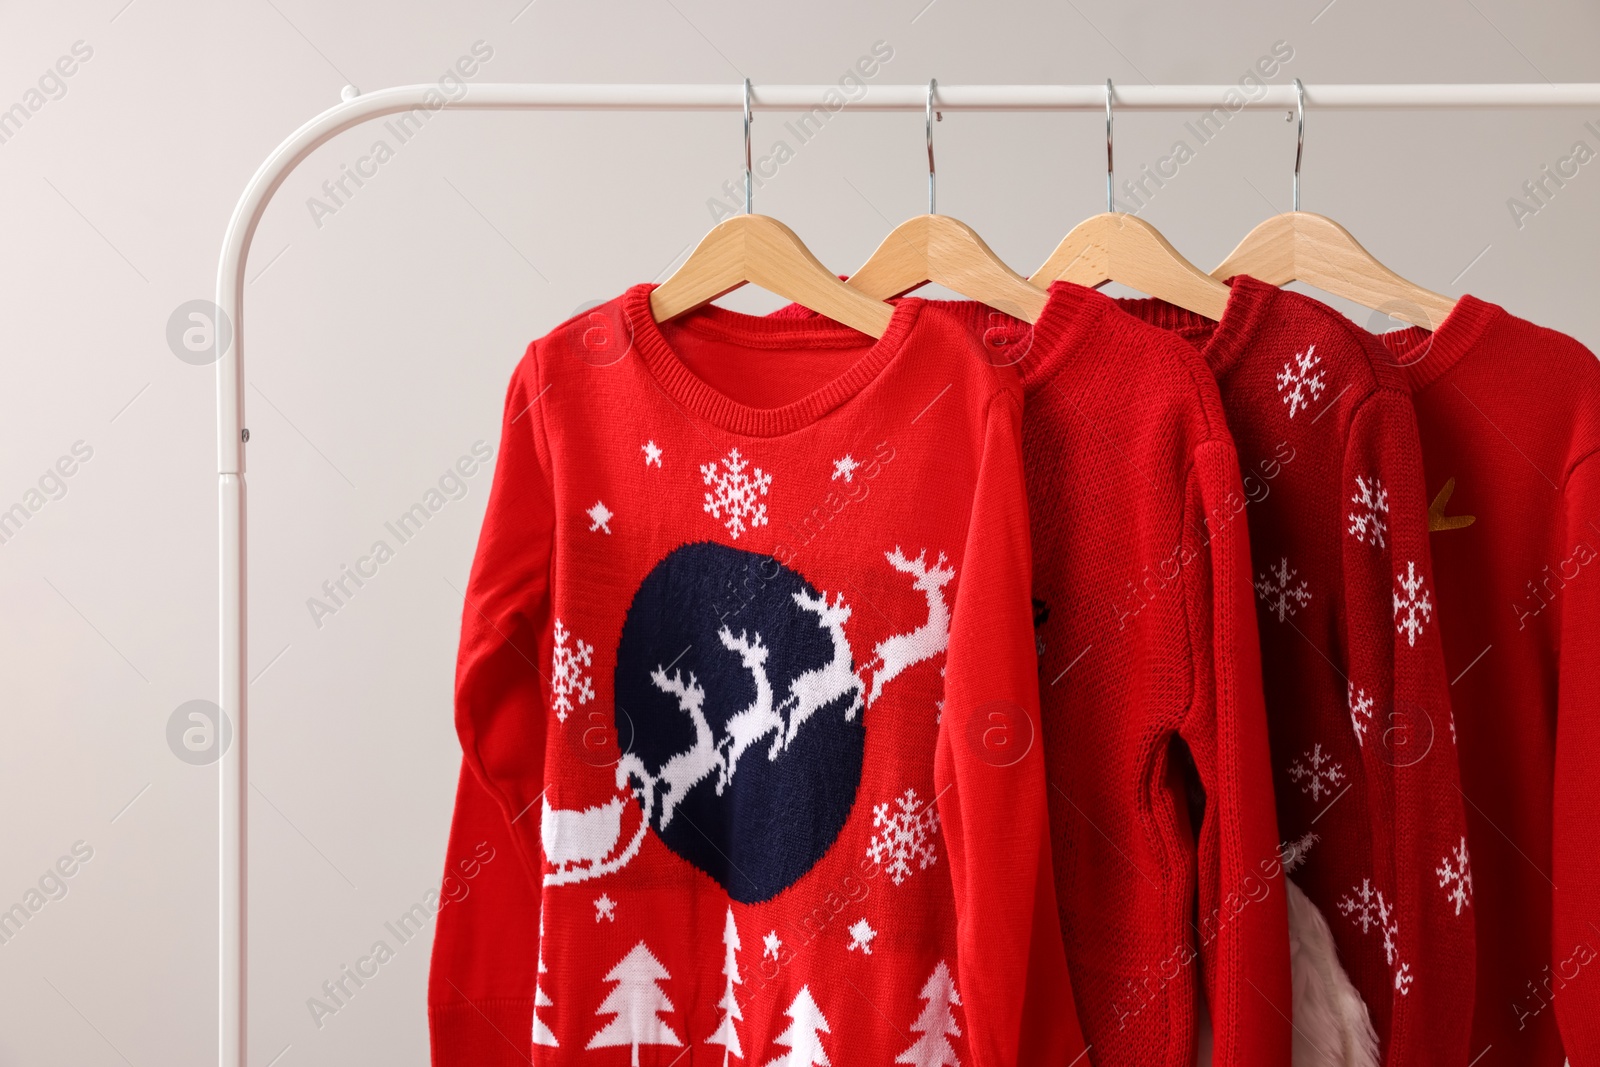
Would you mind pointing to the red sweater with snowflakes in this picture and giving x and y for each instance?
(754, 657)
(1358, 706)
(1510, 420)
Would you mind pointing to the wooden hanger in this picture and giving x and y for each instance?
(1119, 247)
(1303, 246)
(937, 248)
(760, 250)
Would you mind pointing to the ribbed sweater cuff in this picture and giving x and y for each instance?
(482, 1033)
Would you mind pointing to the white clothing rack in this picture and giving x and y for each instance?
(358, 108)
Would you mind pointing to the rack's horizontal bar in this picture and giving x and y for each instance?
(866, 96)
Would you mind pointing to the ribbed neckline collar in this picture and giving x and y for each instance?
(1224, 342)
(1424, 357)
(763, 331)
(1071, 320)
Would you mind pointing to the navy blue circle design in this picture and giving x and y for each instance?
(746, 718)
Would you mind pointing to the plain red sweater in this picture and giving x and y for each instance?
(1162, 824)
(1357, 699)
(1510, 421)
(787, 804)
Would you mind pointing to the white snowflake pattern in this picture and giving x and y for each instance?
(735, 498)
(652, 453)
(844, 468)
(605, 908)
(1455, 877)
(1362, 904)
(599, 516)
(908, 835)
(1316, 773)
(1418, 609)
(568, 676)
(1367, 908)
(861, 935)
(770, 945)
(1298, 386)
(1370, 521)
(1360, 712)
(1278, 589)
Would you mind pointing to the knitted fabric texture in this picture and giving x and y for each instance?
(1358, 702)
(747, 675)
(1510, 420)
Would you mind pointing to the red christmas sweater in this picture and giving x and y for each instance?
(1363, 744)
(1162, 824)
(747, 669)
(1510, 420)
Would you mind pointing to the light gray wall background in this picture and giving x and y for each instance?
(382, 337)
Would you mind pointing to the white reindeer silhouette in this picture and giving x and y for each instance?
(690, 767)
(744, 728)
(895, 654)
(816, 689)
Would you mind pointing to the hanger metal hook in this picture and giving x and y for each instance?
(933, 85)
(1111, 201)
(749, 179)
(1300, 136)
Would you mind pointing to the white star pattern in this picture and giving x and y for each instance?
(605, 908)
(771, 944)
(844, 468)
(861, 935)
(652, 453)
(599, 516)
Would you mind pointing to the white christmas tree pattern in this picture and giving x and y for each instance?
(936, 1024)
(907, 836)
(861, 935)
(770, 945)
(1367, 907)
(734, 500)
(637, 1002)
(568, 672)
(1418, 609)
(1316, 773)
(1279, 591)
(1370, 521)
(542, 1034)
(1360, 712)
(1298, 386)
(599, 516)
(1455, 877)
(804, 1036)
(727, 1034)
(652, 453)
(605, 908)
(844, 468)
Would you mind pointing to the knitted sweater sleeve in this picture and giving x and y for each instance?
(1575, 951)
(989, 776)
(483, 976)
(1399, 703)
(500, 717)
(1243, 930)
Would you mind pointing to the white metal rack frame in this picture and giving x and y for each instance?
(359, 108)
